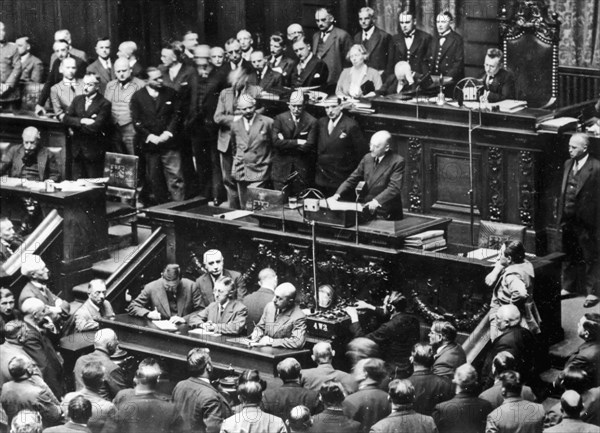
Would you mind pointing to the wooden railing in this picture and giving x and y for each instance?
(577, 85)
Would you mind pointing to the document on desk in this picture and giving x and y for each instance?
(202, 331)
(340, 205)
(233, 215)
(165, 325)
(240, 340)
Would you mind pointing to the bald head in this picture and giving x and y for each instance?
(380, 143)
(63, 34)
(106, 339)
(508, 316)
(127, 49)
(31, 137)
(285, 296)
(294, 32)
(267, 278)
(402, 71)
(32, 306)
(571, 404)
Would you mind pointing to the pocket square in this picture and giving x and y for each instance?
(304, 133)
(343, 135)
(168, 102)
(317, 76)
(184, 83)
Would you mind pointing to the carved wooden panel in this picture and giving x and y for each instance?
(496, 184)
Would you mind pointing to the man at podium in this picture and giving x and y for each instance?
(382, 173)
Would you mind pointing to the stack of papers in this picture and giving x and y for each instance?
(511, 105)
(340, 205)
(165, 325)
(431, 240)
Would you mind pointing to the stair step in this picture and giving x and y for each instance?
(105, 268)
(80, 292)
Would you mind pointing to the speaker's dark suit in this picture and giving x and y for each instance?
(288, 155)
(338, 153)
(104, 74)
(383, 183)
(448, 359)
(417, 56)
(154, 295)
(12, 163)
(270, 81)
(449, 60)
(501, 87)
(314, 74)
(377, 46)
(285, 66)
(89, 142)
(581, 231)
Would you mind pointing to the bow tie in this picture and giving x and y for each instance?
(325, 33)
(491, 77)
(409, 35)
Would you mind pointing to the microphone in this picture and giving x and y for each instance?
(359, 188)
(291, 177)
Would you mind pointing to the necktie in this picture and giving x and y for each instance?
(365, 36)
(88, 102)
(377, 160)
(330, 127)
(247, 125)
(575, 167)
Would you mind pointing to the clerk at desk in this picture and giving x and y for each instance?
(30, 160)
(383, 172)
(498, 83)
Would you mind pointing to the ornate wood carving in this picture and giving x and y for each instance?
(531, 16)
(496, 185)
(526, 188)
(415, 163)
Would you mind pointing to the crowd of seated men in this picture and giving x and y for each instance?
(193, 119)
(390, 381)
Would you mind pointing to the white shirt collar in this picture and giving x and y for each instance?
(249, 123)
(105, 63)
(336, 121)
(174, 70)
(368, 33)
(304, 63)
(581, 162)
(25, 56)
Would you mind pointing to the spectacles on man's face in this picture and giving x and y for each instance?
(214, 262)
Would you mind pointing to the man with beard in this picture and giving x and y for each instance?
(30, 160)
(9, 241)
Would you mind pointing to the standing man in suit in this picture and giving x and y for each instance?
(498, 83)
(234, 60)
(89, 118)
(32, 67)
(278, 61)
(63, 92)
(340, 148)
(225, 315)
(294, 143)
(310, 70)
(171, 297)
(313, 378)
(128, 50)
(283, 324)
(119, 93)
(189, 42)
(383, 172)
(330, 44)
(62, 51)
(295, 32)
(214, 265)
(256, 301)
(375, 40)
(65, 35)
(10, 71)
(263, 76)
(252, 149)
(447, 50)
(95, 306)
(155, 110)
(103, 66)
(202, 407)
(30, 160)
(39, 347)
(410, 45)
(245, 39)
(579, 217)
(448, 354)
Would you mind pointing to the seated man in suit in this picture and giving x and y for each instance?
(404, 81)
(587, 355)
(256, 301)
(283, 324)
(32, 68)
(30, 160)
(498, 83)
(171, 297)
(310, 70)
(278, 61)
(214, 265)
(294, 144)
(383, 172)
(223, 316)
(96, 306)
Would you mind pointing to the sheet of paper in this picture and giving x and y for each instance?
(233, 215)
(340, 205)
(165, 325)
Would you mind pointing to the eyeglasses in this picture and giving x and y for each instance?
(214, 262)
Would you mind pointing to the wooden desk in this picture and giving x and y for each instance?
(85, 230)
(53, 134)
(141, 335)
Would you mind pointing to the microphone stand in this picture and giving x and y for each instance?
(314, 260)
(283, 208)
(356, 215)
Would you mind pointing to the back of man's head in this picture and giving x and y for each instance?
(26, 421)
(148, 373)
(31, 306)
(509, 313)
(13, 329)
(401, 392)
(465, 377)
(18, 367)
(422, 354)
(332, 393)
(299, 419)
(322, 353)
(502, 362)
(92, 374)
(106, 339)
(250, 392)
(374, 368)
(80, 409)
(571, 404)
(197, 361)
(289, 369)
(511, 384)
